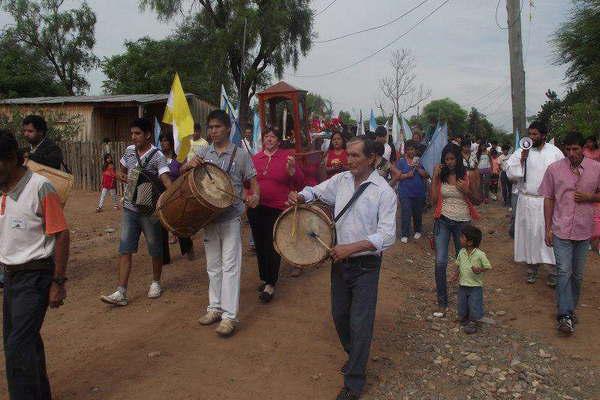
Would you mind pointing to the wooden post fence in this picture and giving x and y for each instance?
(85, 160)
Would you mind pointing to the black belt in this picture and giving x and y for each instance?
(362, 259)
(43, 264)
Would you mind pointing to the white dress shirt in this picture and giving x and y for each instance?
(387, 151)
(372, 217)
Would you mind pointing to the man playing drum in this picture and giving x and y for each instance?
(367, 226)
(222, 237)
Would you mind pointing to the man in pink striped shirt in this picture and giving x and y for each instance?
(570, 187)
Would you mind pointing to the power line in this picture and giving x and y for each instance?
(373, 28)
(326, 7)
(378, 51)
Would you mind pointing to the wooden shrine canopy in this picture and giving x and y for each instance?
(284, 92)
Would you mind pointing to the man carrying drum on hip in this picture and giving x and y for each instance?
(365, 210)
(222, 237)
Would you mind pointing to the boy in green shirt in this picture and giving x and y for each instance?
(471, 262)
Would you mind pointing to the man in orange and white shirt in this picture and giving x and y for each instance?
(34, 249)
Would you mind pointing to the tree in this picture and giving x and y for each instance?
(148, 66)
(319, 106)
(478, 126)
(64, 39)
(401, 88)
(346, 118)
(23, 73)
(576, 44)
(277, 34)
(445, 110)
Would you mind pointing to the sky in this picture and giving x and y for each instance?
(460, 51)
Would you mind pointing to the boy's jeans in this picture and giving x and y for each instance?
(443, 228)
(470, 303)
(570, 262)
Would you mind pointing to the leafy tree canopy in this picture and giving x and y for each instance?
(148, 66)
(445, 110)
(277, 34)
(24, 73)
(64, 38)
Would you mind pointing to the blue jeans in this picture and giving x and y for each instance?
(353, 302)
(470, 303)
(570, 263)
(443, 229)
(132, 225)
(411, 208)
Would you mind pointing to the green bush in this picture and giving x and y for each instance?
(62, 127)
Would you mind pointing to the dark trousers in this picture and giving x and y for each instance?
(262, 219)
(353, 303)
(185, 245)
(470, 303)
(444, 229)
(411, 208)
(25, 304)
(506, 186)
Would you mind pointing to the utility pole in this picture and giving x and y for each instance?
(517, 71)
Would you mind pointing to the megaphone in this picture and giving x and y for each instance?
(525, 143)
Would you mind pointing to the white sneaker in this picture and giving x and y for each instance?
(116, 299)
(404, 239)
(418, 236)
(155, 291)
(494, 197)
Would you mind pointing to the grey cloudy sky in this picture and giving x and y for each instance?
(460, 51)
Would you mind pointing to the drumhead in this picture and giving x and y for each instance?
(215, 191)
(299, 248)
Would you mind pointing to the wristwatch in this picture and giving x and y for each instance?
(59, 280)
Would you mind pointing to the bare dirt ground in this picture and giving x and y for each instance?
(289, 349)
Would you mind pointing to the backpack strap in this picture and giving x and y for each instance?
(232, 159)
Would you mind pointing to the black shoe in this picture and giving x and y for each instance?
(565, 325)
(470, 328)
(344, 368)
(266, 297)
(574, 318)
(347, 394)
(261, 287)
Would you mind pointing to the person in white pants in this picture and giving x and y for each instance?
(222, 237)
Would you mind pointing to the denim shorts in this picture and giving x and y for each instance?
(132, 225)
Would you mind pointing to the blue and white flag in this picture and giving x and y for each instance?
(156, 132)
(256, 135)
(372, 122)
(517, 140)
(406, 128)
(236, 133)
(433, 153)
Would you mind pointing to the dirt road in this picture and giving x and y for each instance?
(289, 349)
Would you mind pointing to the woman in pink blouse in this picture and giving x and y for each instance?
(277, 175)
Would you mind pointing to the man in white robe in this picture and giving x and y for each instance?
(527, 168)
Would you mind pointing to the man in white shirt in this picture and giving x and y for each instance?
(527, 168)
(381, 135)
(197, 143)
(365, 210)
(247, 145)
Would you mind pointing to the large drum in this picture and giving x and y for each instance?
(62, 182)
(297, 232)
(195, 199)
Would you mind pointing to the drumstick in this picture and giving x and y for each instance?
(295, 221)
(314, 235)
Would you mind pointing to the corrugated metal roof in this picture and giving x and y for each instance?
(122, 98)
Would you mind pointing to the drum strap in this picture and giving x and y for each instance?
(354, 197)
